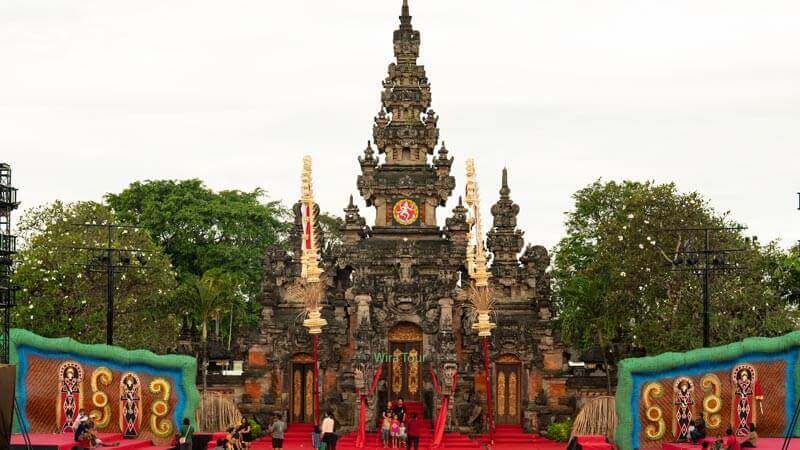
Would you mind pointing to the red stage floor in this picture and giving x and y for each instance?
(763, 444)
(66, 442)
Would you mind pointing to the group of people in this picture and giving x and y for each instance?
(237, 438)
(324, 437)
(395, 432)
(697, 434)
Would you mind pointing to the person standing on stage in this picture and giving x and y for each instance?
(413, 431)
(399, 410)
(329, 436)
(277, 429)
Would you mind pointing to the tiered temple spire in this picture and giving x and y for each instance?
(504, 240)
(406, 179)
(406, 127)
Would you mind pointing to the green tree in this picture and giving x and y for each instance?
(60, 297)
(202, 230)
(615, 285)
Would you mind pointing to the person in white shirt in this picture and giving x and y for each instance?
(329, 437)
(82, 417)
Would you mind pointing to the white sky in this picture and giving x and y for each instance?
(97, 94)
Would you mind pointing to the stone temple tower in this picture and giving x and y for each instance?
(396, 288)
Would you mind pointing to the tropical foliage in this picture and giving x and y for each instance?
(616, 285)
(64, 283)
(202, 230)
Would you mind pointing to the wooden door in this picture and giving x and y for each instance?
(302, 393)
(406, 370)
(507, 383)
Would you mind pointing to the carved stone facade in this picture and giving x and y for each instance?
(404, 275)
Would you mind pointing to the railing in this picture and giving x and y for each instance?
(8, 244)
(7, 297)
(8, 195)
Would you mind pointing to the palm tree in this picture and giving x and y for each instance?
(215, 291)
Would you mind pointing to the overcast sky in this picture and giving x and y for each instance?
(706, 93)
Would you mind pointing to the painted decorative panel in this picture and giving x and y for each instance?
(753, 381)
(136, 393)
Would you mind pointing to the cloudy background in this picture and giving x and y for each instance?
(706, 93)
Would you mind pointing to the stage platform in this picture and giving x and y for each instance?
(66, 441)
(763, 444)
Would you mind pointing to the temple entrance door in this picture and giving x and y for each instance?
(302, 382)
(405, 366)
(507, 388)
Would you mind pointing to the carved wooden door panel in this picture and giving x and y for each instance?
(302, 393)
(507, 383)
(405, 370)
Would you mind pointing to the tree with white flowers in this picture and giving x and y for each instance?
(62, 296)
(615, 285)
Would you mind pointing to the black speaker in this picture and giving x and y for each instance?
(8, 375)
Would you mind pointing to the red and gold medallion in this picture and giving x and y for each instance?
(405, 211)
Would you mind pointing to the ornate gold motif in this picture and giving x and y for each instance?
(302, 358)
(512, 394)
(712, 401)
(159, 424)
(405, 211)
(413, 371)
(501, 394)
(507, 358)
(405, 332)
(297, 393)
(657, 427)
(397, 371)
(101, 376)
(309, 395)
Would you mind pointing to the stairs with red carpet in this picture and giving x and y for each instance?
(454, 441)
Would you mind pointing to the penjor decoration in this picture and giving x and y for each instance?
(481, 298)
(311, 290)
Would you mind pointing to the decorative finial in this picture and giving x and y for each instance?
(350, 205)
(504, 189)
(405, 17)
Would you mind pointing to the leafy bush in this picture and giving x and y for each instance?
(559, 431)
(255, 429)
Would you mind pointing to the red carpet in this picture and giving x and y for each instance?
(763, 444)
(65, 442)
(511, 437)
(594, 443)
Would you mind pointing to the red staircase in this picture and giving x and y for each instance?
(455, 441)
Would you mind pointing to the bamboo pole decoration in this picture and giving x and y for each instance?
(310, 261)
(481, 296)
